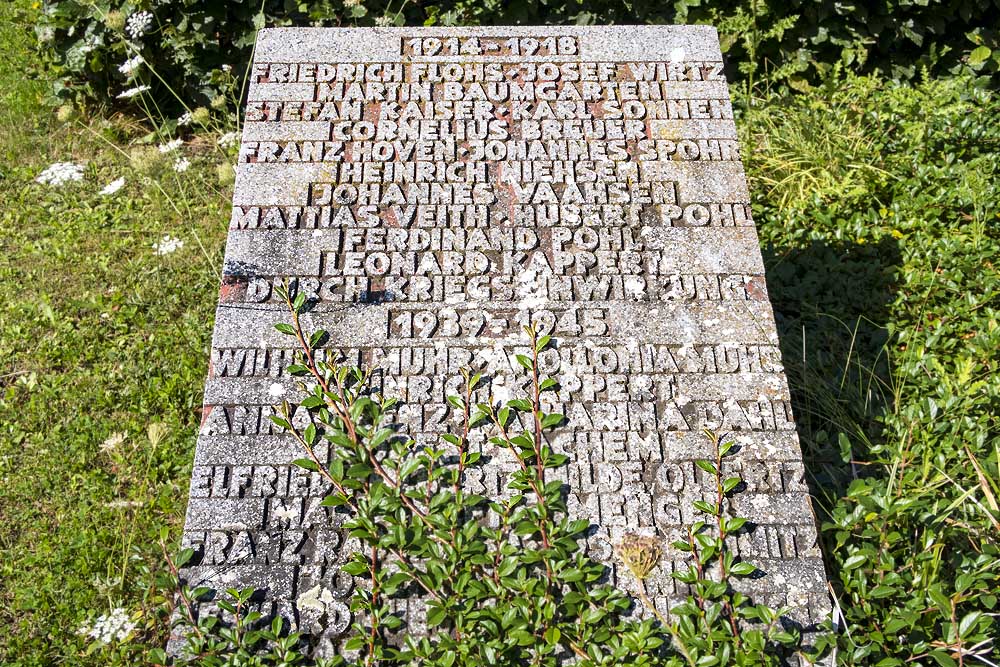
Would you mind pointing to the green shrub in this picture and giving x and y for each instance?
(186, 44)
(877, 204)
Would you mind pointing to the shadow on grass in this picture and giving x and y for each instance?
(831, 302)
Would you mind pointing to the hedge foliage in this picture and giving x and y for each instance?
(186, 43)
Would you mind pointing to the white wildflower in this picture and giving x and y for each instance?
(167, 245)
(185, 118)
(384, 21)
(129, 67)
(112, 442)
(138, 24)
(113, 187)
(227, 68)
(229, 139)
(60, 173)
(108, 628)
(132, 92)
(181, 165)
(46, 34)
(171, 145)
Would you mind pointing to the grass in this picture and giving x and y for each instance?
(878, 213)
(877, 206)
(98, 336)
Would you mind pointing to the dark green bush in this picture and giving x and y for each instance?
(189, 41)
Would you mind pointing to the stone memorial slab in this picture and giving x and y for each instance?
(431, 191)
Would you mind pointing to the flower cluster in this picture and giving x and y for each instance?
(113, 187)
(132, 92)
(167, 245)
(138, 24)
(181, 165)
(61, 173)
(129, 67)
(113, 442)
(107, 628)
(185, 119)
(171, 145)
(229, 139)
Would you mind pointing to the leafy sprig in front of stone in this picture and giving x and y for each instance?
(503, 581)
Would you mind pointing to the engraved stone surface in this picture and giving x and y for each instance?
(432, 190)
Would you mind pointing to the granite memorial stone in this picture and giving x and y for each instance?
(432, 190)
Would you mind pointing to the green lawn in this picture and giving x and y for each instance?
(98, 335)
(879, 211)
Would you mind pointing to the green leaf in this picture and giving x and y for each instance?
(967, 622)
(309, 435)
(334, 500)
(551, 420)
(355, 568)
(525, 361)
(707, 466)
(942, 658)
(734, 524)
(310, 402)
(743, 569)
(280, 421)
(316, 338)
(854, 562)
(306, 464)
(708, 508)
(979, 55)
(435, 615)
(525, 528)
(285, 328)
